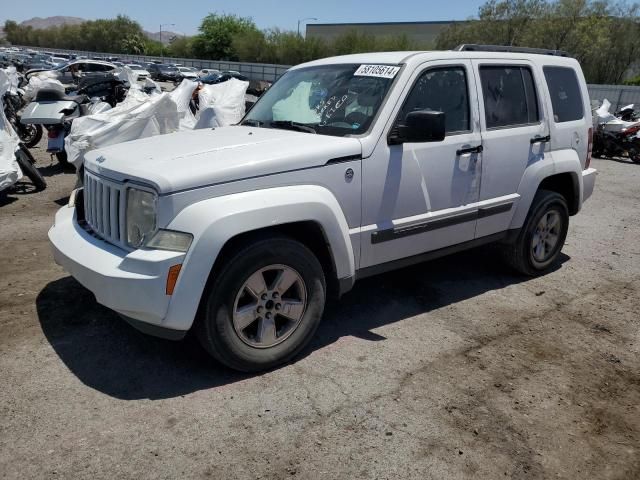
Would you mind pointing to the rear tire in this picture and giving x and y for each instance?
(542, 236)
(28, 167)
(250, 320)
(30, 135)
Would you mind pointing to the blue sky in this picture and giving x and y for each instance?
(186, 14)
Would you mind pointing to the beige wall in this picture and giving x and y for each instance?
(423, 33)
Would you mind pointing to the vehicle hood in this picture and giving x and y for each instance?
(191, 159)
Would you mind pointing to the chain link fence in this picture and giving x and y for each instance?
(618, 95)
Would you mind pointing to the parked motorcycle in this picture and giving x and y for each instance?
(627, 113)
(624, 143)
(617, 136)
(56, 110)
(29, 134)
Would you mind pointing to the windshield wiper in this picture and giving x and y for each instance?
(288, 124)
(252, 123)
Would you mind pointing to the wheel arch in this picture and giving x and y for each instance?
(561, 173)
(309, 214)
(566, 184)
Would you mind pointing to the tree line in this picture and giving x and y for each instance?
(604, 35)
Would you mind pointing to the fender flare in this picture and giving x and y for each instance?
(561, 161)
(215, 221)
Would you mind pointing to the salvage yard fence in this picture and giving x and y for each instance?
(618, 95)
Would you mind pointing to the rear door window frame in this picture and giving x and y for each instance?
(536, 91)
(545, 68)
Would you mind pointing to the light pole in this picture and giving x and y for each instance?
(162, 44)
(304, 20)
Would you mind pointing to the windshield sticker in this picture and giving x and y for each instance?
(381, 71)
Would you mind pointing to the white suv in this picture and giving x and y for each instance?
(347, 167)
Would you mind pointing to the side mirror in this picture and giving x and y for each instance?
(419, 126)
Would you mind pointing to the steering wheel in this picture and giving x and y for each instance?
(356, 117)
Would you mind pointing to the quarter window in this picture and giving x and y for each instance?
(565, 94)
(443, 90)
(509, 96)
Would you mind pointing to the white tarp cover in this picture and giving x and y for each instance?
(10, 172)
(221, 104)
(142, 115)
(139, 116)
(41, 80)
(182, 96)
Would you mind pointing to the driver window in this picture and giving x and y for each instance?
(443, 90)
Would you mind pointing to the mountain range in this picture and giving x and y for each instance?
(47, 22)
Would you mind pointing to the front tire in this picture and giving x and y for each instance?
(542, 236)
(28, 167)
(264, 305)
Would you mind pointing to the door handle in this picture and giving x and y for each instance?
(464, 151)
(539, 139)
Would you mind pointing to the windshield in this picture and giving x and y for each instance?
(334, 100)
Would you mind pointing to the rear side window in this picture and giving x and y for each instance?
(564, 90)
(443, 90)
(509, 96)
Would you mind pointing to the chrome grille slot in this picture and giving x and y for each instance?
(104, 208)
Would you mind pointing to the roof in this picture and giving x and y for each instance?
(348, 24)
(96, 62)
(396, 58)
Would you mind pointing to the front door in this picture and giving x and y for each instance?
(419, 197)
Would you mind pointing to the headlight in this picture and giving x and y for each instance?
(141, 216)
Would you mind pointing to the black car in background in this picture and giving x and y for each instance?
(163, 73)
(214, 78)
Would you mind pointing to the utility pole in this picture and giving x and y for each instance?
(162, 44)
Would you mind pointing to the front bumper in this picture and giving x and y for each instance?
(588, 182)
(131, 283)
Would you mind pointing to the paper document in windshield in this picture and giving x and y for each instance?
(382, 71)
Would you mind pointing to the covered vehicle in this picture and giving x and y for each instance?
(10, 171)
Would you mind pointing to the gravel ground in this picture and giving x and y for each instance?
(453, 369)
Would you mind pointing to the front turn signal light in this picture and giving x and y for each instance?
(172, 278)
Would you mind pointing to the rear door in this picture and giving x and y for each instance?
(515, 134)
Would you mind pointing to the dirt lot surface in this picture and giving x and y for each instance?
(454, 369)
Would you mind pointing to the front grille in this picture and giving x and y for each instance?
(104, 204)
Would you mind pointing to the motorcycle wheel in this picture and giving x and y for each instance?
(28, 167)
(30, 135)
(634, 155)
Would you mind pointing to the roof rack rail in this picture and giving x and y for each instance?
(502, 48)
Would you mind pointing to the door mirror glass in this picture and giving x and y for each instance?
(419, 126)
